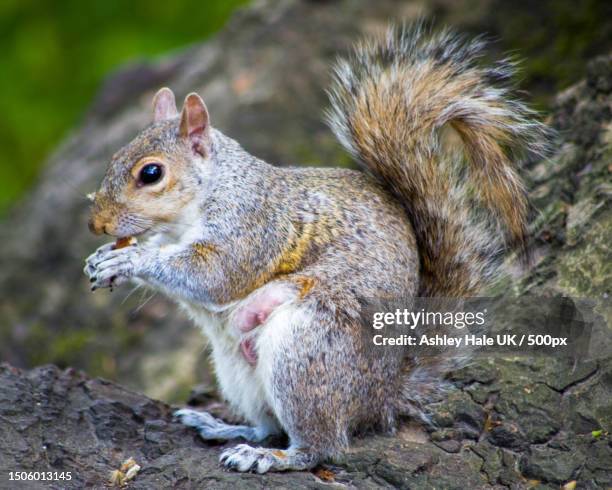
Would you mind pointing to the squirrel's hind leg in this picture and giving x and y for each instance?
(211, 428)
(316, 380)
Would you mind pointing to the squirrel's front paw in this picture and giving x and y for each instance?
(108, 267)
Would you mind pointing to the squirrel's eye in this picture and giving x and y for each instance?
(151, 173)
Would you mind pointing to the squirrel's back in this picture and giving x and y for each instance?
(389, 102)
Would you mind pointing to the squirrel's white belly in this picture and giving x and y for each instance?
(238, 381)
(243, 385)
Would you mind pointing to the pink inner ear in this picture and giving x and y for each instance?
(194, 120)
(195, 124)
(164, 105)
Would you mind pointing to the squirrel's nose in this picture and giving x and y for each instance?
(95, 226)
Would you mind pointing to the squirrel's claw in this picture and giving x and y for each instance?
(108, 267)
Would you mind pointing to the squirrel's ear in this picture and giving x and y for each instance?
(195, 122)
(164, 106)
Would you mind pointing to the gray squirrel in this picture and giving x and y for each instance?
(274, 263)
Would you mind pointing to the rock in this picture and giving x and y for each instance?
(551, 465)
(508, 435)
(509, 422)
(53, 420)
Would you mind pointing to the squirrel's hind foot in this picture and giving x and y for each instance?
(245, 458)
(211, 428)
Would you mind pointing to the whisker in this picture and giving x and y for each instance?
(142, 224)
(76, 190)
(143, 304)
(158, 221)
(136, 288)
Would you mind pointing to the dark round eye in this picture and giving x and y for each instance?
(150, 173)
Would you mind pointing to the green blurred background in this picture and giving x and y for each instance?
(56, 53)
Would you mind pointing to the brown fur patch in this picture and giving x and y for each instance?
(203, 250)
(305, 285)
(296, 248)
(293, 255)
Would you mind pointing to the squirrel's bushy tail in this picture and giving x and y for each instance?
(389, 103)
